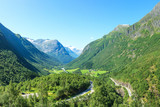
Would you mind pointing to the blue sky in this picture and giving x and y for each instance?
(72, 22)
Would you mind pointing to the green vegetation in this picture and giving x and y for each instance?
(143, 73)
(126, 96)
(37, 58)
(51, 89)
(12, 69)
(58, 86)
(12, 66)
(73, 70)
(87, 72)
(26, 50)
(20, 60)
(93, 73)
(54, 71)
(118, 48)
(78, 71)
(131, 55)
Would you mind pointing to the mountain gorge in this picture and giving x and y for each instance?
(54, 48)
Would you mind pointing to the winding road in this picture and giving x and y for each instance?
(90, 88)
(27, 95)
(129, 91)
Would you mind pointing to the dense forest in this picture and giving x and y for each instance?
(12, 69)
(144, 75)
(12, 66)
(54, 89)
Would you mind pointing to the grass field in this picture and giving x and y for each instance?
(84, 71)
(54, 71)
(88, 72)
(93, 73)
(72, 70)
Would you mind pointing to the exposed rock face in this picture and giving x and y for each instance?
(121, 27)
(124, 84)
(53, 48)
(85, 49)
(120, 91)
(148, 25)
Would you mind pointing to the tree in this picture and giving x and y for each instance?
(43, 95)
(13, 94)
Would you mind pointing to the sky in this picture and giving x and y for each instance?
(72, 22)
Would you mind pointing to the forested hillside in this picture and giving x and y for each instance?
(131, 54)
(143, 73)
(12, 66)
(53, 90)
(115, 49)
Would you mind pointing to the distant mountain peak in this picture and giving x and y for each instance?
(75, 50)
(53, 48)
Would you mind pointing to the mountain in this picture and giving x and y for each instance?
(75, 50)
(53, 48)
(105, 53)
(73, 54)
(131, 54)
(27, 50)
(13, 67)
(99, 54)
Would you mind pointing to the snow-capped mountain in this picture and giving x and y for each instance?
(75, 50)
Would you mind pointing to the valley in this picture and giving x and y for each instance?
(120, 69)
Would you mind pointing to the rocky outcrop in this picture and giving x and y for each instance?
(128, 85)
(120, 91)
(121, 27)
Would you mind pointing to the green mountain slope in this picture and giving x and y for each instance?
(115, 49)
(131, 54)
(25, 49)
(12, 66)
(143, 73)
(104, 53)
